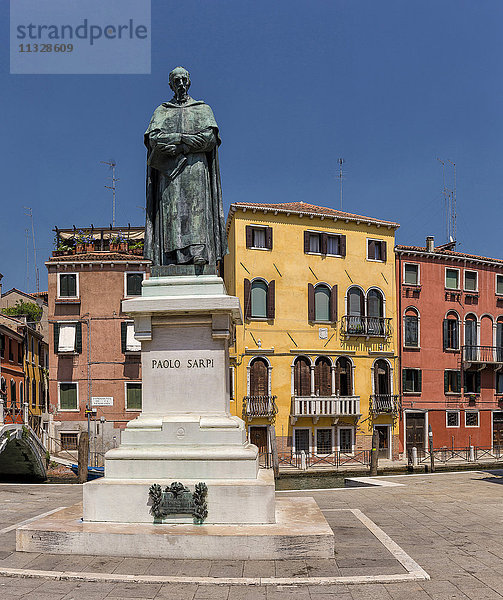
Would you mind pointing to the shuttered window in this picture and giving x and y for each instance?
(376, 250)
(133, 396)
(68, 396)
(452, 279)
(67, 285)
(322, 377)
(499, 284)
(67, 337)
(343, 377)
(317, 242)
(452, 382)
(472, 382)
(451, 334)
(411, 330)
(128, 341)
(259, 299)
(411, 380)
(302, 377)
(411, 274)
(471, 283)
(322, 303)
(259, 237)
(259, 378)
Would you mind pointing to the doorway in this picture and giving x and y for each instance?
(258, 437)
(498, 431)
(384, 442)
(415, 428)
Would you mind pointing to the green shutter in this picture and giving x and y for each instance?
(78, 337)
(56, 337)
(477, 382)
(123, 336)
(133, 284)
(419, 380)
(68, 396)
(446, 381)
(458, 381)
(63, 286)
(133, 396)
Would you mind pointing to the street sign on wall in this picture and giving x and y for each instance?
(102, 401)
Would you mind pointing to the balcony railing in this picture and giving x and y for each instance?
(384, 404)
(483, 354)
(259, 406)
(331, 406)
(368, 326)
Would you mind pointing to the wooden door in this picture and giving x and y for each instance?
(383, 449)
(498, 430)
(414, 430)
(258, 436)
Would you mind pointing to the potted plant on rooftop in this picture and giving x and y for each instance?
(136, 247)
(118, 243)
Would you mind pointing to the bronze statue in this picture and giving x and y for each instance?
(185, 222)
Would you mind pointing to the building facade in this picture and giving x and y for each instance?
(451, 347)
(12, 368)
(95, 360)
(314, 364)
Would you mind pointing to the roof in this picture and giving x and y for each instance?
(30, 296)
(441, 251)
(98, 257)
(303, 208)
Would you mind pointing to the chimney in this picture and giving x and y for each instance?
(430, 245)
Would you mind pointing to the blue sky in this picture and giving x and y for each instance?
(294, 85)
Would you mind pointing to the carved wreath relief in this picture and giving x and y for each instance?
(178, 499)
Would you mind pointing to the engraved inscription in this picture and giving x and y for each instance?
(190, 363)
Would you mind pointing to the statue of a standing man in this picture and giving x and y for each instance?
(185, 223)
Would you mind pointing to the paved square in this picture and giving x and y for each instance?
(449, 524)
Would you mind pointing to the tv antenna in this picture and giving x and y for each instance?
(341, 176)
(112, 164)
(27, 237)
(449, 196)
(29, 213)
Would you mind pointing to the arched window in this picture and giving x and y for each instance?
(322, 377)
(451, 331)
(40, 395)
(375, 313)
(356, 311)
(411, 328)
(499, 339)
(471, 350)
(343, 377)
(302, 376)
(382, 378)
(322, 303)
(13, 393)
(21, 393)
(3, 385)
(259, 299)
(259, 377)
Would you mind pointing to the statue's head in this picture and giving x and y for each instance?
(179, 81)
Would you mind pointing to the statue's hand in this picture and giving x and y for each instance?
(168, 149)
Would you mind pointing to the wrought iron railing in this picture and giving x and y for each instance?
(312, 406)
(483, 354)
(303, 459)
(259, 406)
(368, 326)
(384, 404)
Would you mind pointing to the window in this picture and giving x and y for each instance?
(411, 380)
(499, 383)
(452, 382)
(322, 303)
(452, 279)
(317, 242)
(324, 444)
(411, 274)
(40, 354)
(68, 441)
(499, 284)
(68, 397)
(411, 328)
(472, 382)
(302, 376)
(343, 377)
(452, 418)
(259, 300)
(451, 332)
(67, 285)
(133, 284)
(2, 345)
(133, 396)
(259, 237)
(471, 350)
(33, 393)
(346, 440)
(259, 377)
(471, 418)
(323, 377)
(21, 393)
(301, 439)
(32, 350)
(471, 283)
(68, 337)
(20, 347)
(376, 250)
(13, 393)
(128, 341)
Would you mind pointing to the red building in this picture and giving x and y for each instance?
(11, 369)
(451, 347)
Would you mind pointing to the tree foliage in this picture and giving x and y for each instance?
(30, 310)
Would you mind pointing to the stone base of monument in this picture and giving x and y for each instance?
(300, 531)
(184, 482)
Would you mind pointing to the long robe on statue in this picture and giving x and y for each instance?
(185, 222)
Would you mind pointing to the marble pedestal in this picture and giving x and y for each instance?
(185, 433)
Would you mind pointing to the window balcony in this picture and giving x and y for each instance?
(330, 406)
(353, 325)
(482, 355)
(384, 404)
(259, 407)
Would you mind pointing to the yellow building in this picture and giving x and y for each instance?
(316, 355)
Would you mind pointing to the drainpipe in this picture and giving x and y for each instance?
(400, 344)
